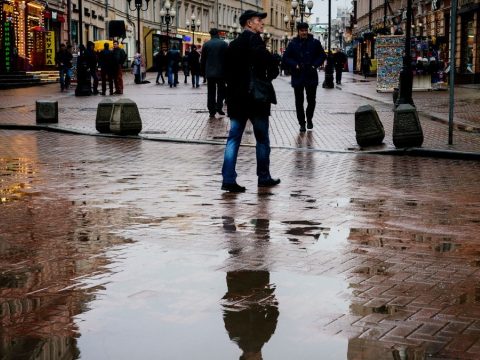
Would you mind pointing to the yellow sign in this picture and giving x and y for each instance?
(50, 48)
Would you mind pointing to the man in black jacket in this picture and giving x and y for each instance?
(303, 56)
(213, 59)
(245, 56)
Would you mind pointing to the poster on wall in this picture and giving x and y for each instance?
(50, 48)
(389, 51)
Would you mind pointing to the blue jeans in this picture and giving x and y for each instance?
(172, 76)
(260, 129)
(65, 75)
(195, 80)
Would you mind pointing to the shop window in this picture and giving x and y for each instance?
(468, 37)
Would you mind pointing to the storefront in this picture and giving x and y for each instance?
(469, 62)
(26, 27)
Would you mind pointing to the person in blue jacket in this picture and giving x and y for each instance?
(303, 56)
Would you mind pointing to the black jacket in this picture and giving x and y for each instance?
(247, 52)
(308, 55)
(213, 58)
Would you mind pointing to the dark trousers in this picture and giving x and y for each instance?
(160, 75)
(338, 75)
(93, 74)
(107, 76)
(311, 92)
(216, 94)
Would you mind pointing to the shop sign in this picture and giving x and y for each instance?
(50, 48)
(7, 45)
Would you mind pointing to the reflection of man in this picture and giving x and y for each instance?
(250, 311)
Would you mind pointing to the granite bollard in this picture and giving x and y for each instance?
(104, 114)
(46, 111)
(407, 130)
(369, 129)
(125, 119)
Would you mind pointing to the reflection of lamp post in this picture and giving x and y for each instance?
(138, 6)
(166, 18)
(234, 30)
(328, 82)
(406, 77)
(300, 5)
(194, 24)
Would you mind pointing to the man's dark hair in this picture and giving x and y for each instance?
(213, 32)
(302, 25)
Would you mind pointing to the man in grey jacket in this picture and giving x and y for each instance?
(213, 59)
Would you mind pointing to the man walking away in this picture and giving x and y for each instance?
(303, 56)
(185, 67)
(92, 61)
(64, 62)
(247, 56)
(213, 60)
(160, 62)
(107, 65)
(366, 63)
(173, 59)
(194, 64)
(120, 57)
(339, 60)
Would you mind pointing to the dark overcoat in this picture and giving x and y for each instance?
(247, 51)
(308, 54)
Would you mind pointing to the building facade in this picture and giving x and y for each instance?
(32, 30)
(431, 21)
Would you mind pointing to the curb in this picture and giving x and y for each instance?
(418, 152)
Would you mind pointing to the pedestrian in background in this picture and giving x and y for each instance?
(246, 57)
(212, 61)
(160, 60)
(64, 61)
(339, 60)
(185, 67)
(120, 57)
(107, 68)
(92, 62)
(173, 61)
(194, 64)
(365, 64)
(303, 56)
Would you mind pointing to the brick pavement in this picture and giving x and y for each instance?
(379, 252)
(180, 114)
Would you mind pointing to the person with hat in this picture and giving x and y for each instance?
(303, 56)
(213, 59)
(248, 58)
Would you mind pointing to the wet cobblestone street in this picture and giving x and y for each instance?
(127, 249)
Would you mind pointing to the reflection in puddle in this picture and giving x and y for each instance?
(250, 311)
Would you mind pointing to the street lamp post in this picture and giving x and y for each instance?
(138, 6)
(406, 77)
(166, 18)
(193, 25)
(328, 82)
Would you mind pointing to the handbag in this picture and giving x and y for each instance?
(261, 91)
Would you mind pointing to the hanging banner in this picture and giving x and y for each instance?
(50, 48)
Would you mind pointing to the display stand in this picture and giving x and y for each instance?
(422, 82)
(389, 52)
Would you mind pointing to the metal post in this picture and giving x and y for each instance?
(406, 76)
(453, 33)
(328, 82)
(138, 30)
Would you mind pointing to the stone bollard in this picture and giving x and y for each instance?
(46, 111)
(104, 114)
(407, 130)
(369, 129)
(125, 118)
